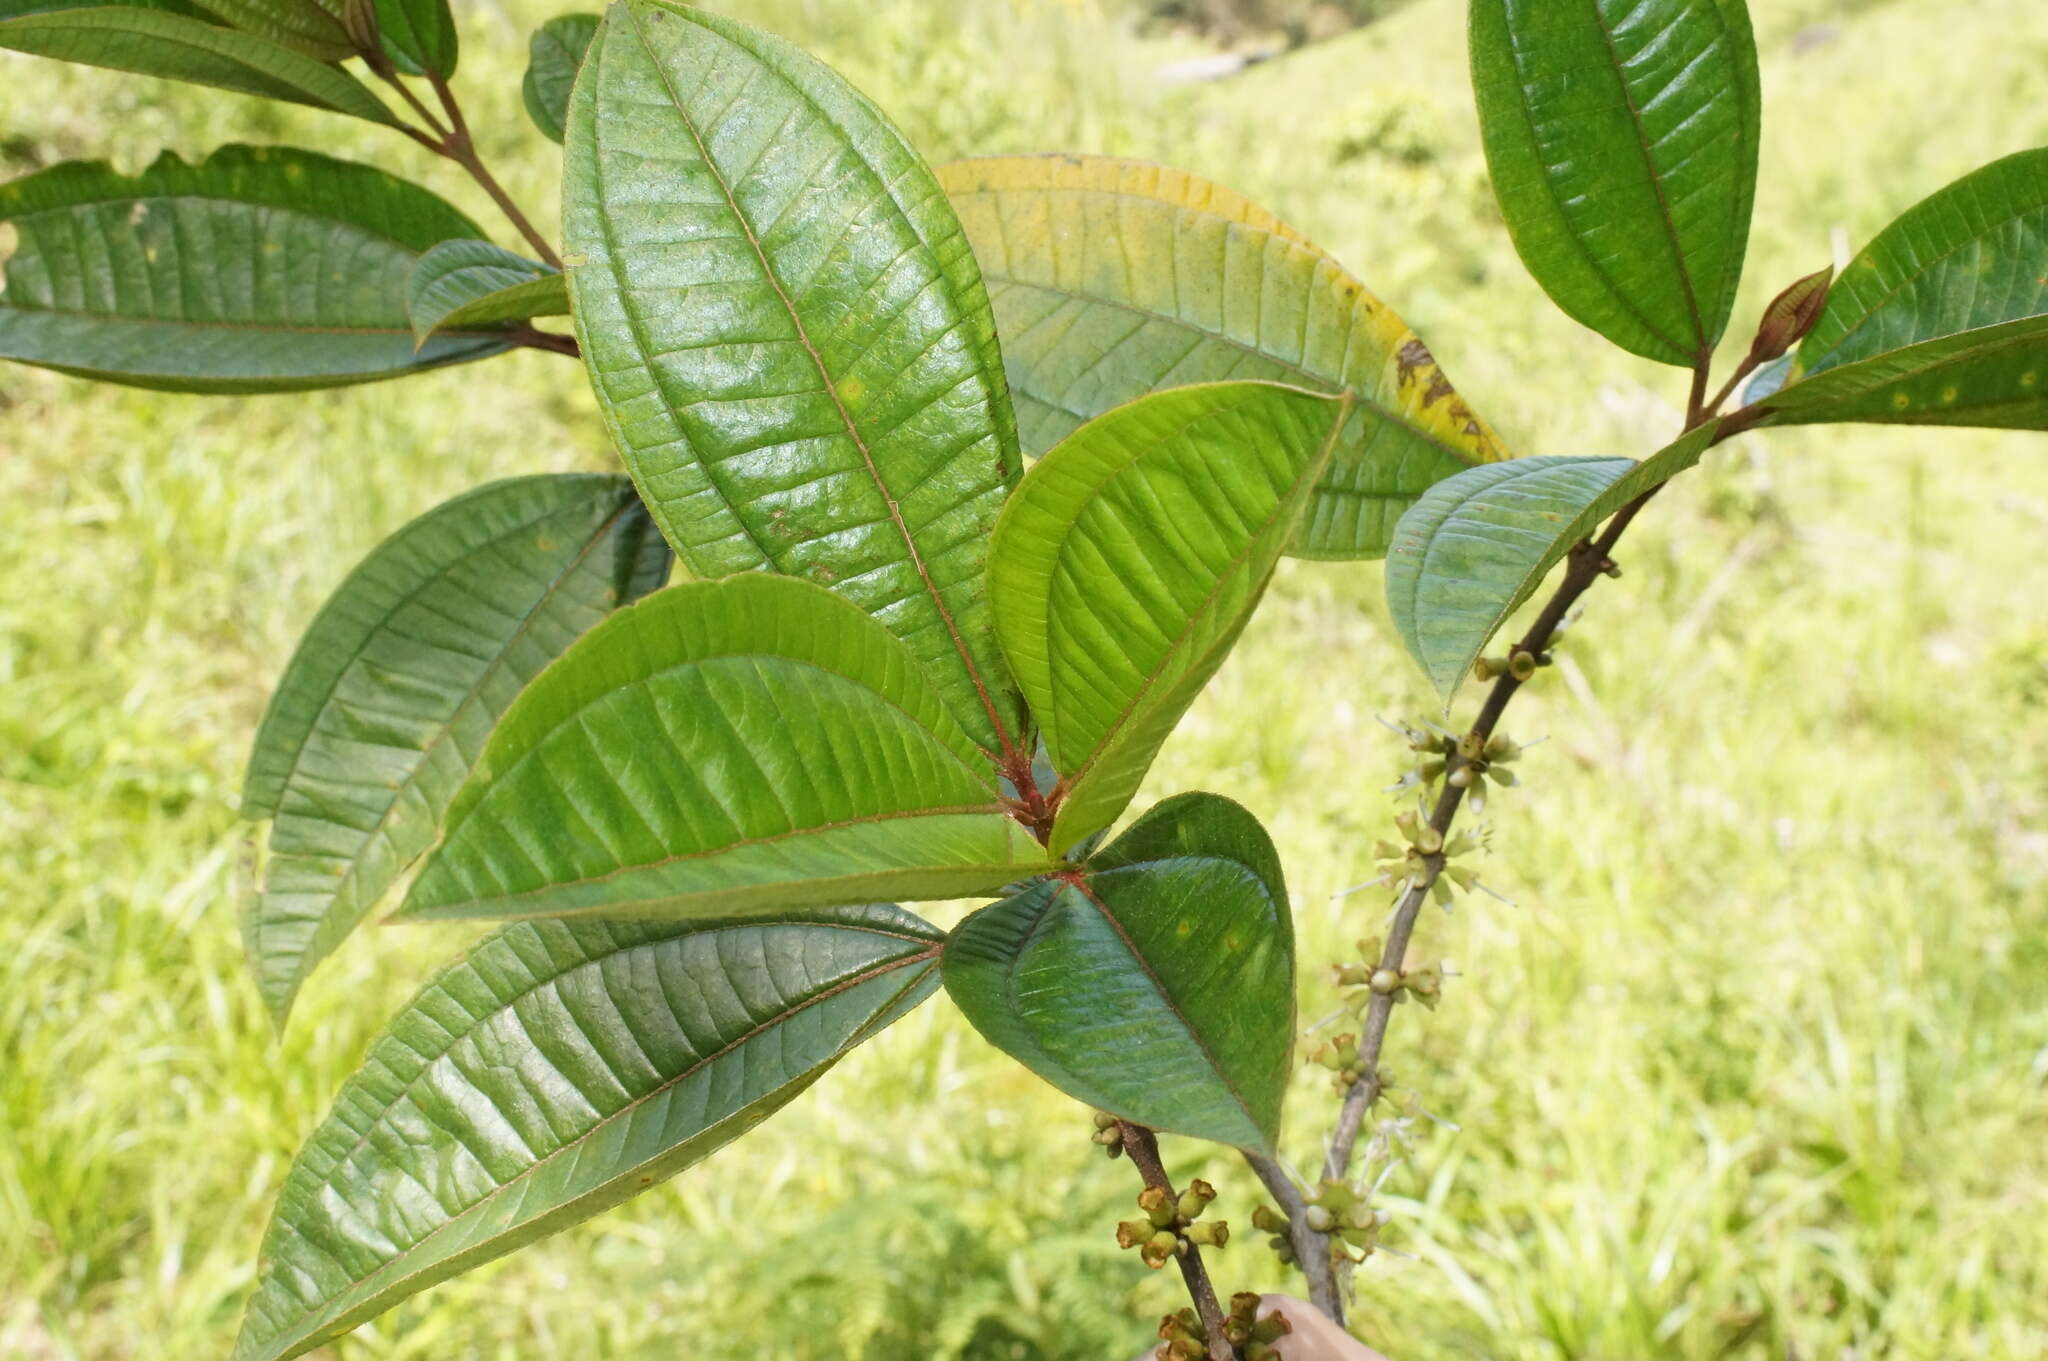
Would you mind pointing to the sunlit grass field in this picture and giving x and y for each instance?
(1755, 1066)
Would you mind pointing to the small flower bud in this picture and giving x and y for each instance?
(1522, 665)
(1385, 981)
(1104, 1120)
(1157, 1203)
(1132, 1232)
(1210, 1233)
(1430, 842)
(1462, 777)
(1489, 668)
(1266, 1219)
(1159, 1249)
(1500, 748)
(1195, 1199)
(1271, 1328)
(1320, 1219)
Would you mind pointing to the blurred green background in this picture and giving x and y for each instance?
(1756, 1067)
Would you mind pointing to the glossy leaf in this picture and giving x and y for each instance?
(260, 269)
(1473, 549)
(1129, 561)
(1157, 984)
(1943, 319)
(418, 35)
(399, 680)
(557, 1070)
(462, 285)
(155, 42)
(724, 748)
(15, 9)
(787, 333)
(1622, 137)
(554, 56)
(1115, 278)
(313, 27)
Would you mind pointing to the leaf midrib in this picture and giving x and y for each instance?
(1150, 677)
(413, 595)
(803, 336)
(1079, 882)
(781, 1018)
(1655, 176)
(346, 883)
(1913, 275)
(1307, 377)
(816, 829)
(296, 83)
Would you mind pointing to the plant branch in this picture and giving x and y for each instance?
(1143, 1146)
(1586, 563)
(459, 147)
(554, 342)
(451, 139)
(1311, 1249)
(1748, 366)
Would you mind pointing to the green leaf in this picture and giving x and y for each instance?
(155, 42)
(1473, 549)
(1156, 984)
(554, 56)
(15, 9)
(558, 1070)
(1943, 319)
(418, 35)
(394, 688)
(461, 285)
(724, 748)
(788, 336)
(313, 27)
(1622, 137)
(261, 269)
(1128, 562)
(1115, 278)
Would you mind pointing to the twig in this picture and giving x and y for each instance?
(1311, 1249)
(460, 147)
(452, 140)
(1143, 1146)
(554, 342)
(1587, 562)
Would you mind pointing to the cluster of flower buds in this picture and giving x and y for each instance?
(1520, 663)
(1109, 1132)
(1250, 1334)
(1342, 1211)
(1268, 1220)
(1408, 865)
(1340, 1055)
(1338, 1210)
(1182, 1337)
(1169, 1229)
(1363, 982)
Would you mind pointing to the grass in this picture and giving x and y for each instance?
(1757, 1067)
